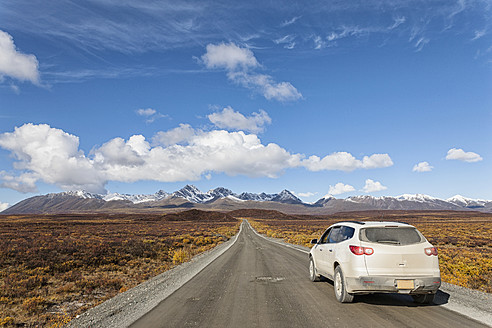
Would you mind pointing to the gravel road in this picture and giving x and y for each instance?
(253, 281)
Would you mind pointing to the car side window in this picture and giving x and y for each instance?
(347, 233)
(324, 237)
(340, 233)
(335, 235)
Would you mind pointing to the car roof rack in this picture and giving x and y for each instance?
(400, 222)
(357, 222)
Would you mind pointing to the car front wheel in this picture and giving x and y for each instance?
(340, 287)
(313, 275)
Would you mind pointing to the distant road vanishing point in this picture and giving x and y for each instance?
(259, 283)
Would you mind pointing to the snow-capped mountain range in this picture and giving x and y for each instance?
(194, 195)
(411, 202)
(222, 198)
(191, 194)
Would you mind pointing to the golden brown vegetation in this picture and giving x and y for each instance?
(55, 267)
(464, 239)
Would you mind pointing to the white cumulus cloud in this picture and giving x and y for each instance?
(240, 64)
(344, 161)
(228, 56)
(14, 64)
(146, 111)
(373, 186)
(49, 154)
(422, 167)
(25, 182)
(340, 188)
(183, 133)
(461, 155)
(4, 206)
(53, 156)
(230, 119)
(283, 91)
(119, 152)
(376, 161)
(306, 194)
(150, 113)
(264, 84)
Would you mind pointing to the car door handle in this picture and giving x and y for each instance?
(320, 249)
(331, 250)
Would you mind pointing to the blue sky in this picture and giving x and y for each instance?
(348, 98)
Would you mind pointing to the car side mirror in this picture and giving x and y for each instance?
(314, 241)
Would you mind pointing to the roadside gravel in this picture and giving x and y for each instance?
(469, 302)
(125, 308)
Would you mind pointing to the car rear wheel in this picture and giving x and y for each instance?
(340, 287)
(424, 298)
(313, 275)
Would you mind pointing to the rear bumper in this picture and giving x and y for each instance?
(388, 284)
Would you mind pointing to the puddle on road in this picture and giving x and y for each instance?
(269, 279)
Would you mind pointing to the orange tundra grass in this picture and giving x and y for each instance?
(53, 268)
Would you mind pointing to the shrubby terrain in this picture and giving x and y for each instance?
(54, 267)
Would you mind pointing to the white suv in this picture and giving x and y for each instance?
(376, 257)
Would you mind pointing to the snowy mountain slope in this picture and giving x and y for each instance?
(468, 202)
(136, 199)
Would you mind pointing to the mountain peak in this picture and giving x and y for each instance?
(467, 202)
(327, 196)
(324, 200)
(285, 196)
(190, 193)
(286, 192)
(221, 192)
(190, 188)
(459, 198)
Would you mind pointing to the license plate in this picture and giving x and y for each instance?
(405, 284)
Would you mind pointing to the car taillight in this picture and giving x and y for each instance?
(430, 251)
(358, 250)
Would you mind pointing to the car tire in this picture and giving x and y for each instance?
(339, 285)
(313, 273)
(424, 298)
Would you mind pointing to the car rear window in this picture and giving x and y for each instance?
(391, 235)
